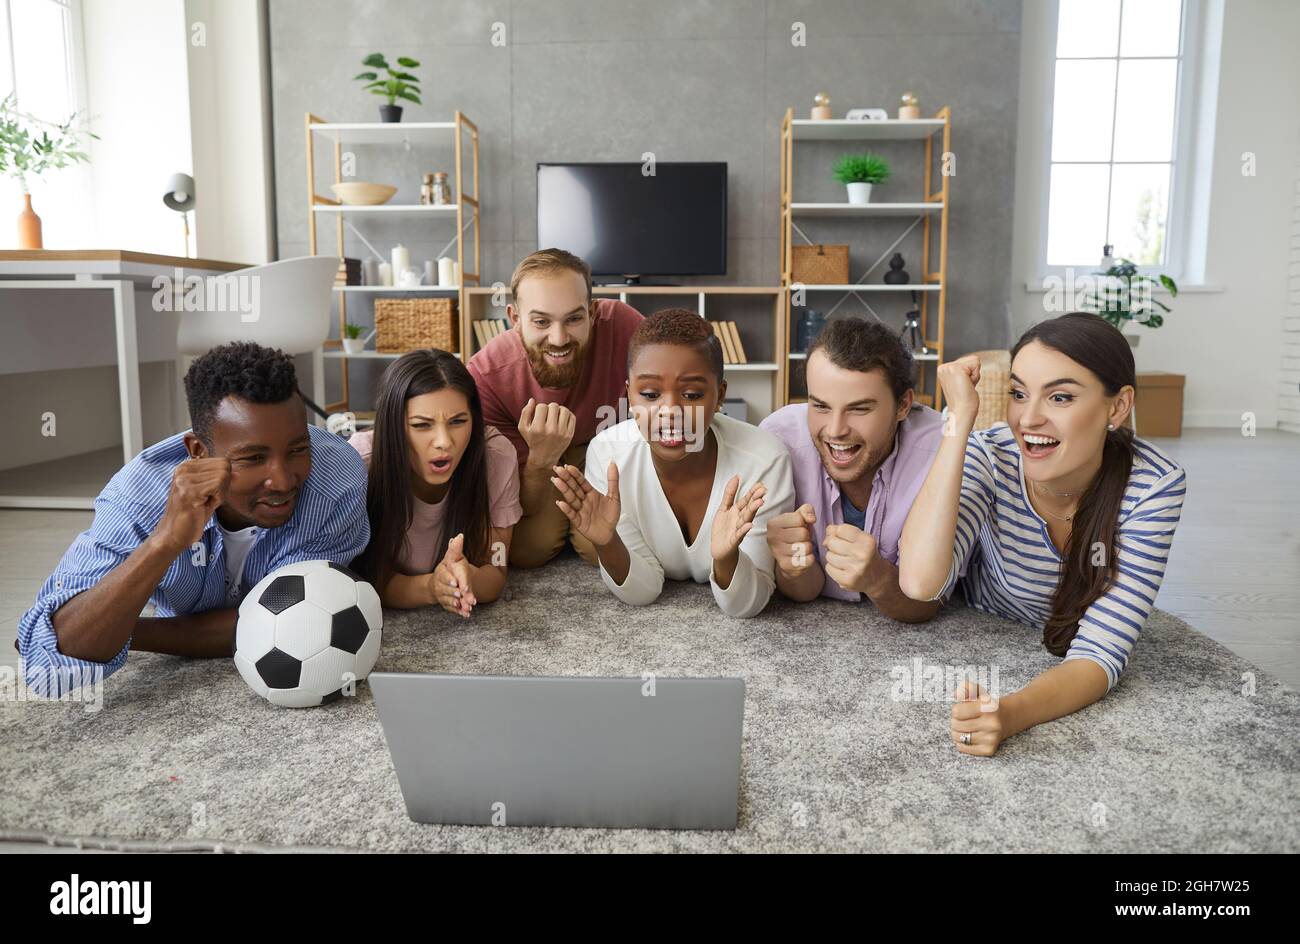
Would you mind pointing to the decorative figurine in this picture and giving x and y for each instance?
(897, 275)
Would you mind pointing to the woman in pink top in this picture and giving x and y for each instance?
(443, 491)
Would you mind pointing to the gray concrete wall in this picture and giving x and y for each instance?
(607, 81)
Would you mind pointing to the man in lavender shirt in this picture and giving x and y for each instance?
(860, 451)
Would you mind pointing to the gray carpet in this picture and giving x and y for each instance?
(1176, 758)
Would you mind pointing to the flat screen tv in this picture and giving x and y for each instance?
(627, 223)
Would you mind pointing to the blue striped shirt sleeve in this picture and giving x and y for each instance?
(1109, 628)
(113, 535)
(974, 508)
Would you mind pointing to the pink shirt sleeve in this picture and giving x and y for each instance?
(363, 442)
(503, 480)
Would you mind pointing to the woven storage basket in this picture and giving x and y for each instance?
(408, 324)
(820, 264)
(995, 382)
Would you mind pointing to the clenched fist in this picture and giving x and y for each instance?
(547, 428)
(789, 537)
(198, 489)
(977, 726)
(958, 379)
(850, 552)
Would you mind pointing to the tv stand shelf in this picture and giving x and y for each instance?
(490, 302)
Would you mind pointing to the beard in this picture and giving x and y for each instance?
(559, 376)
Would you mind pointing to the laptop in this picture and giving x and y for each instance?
(603, 752)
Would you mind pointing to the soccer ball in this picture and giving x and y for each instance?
(306, 632)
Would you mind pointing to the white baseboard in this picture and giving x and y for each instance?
(1227, 419)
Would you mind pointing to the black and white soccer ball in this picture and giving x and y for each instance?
(306, 633)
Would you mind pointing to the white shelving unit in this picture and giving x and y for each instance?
(388, 208)
(930, 212)
(864, 209)
(842, 129)
(464, 212)
(821, 287)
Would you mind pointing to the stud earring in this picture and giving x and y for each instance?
(1110, 425)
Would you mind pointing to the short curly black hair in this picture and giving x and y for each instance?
(677, 326)
(240, 369)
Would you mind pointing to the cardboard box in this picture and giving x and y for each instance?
(1158, 406)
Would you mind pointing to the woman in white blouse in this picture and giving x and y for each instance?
(681, 490)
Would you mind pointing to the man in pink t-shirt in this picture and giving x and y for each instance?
(550, 384)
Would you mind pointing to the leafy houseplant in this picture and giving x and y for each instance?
(859, 172)
(1123, 294)
(352, 340)
(399, 84)
(29, 148)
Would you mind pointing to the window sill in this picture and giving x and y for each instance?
(1203, 288)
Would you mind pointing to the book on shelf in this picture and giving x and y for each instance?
(349, 272)
(485, 329)
(733, 351)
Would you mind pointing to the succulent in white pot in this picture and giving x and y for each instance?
(353, 342)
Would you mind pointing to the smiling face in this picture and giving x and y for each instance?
(270, 457)
(1059, 411)
(438, 426)
(554, 321)
(852, 417)
(673, 394)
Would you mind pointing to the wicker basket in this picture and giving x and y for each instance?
(409, 324)
(820, 264)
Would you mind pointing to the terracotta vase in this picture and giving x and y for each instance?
(29, 226)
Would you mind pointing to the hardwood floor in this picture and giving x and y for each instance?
(1234, 572)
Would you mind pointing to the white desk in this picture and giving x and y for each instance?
(113, 276)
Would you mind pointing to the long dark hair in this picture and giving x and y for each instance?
(390, 501)
(1096, 344)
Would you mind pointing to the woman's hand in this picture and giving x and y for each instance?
(593, 515)
(977, 714)
(958, 379)
(450, 580)
(734, 518)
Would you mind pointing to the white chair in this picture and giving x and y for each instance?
(283, 305)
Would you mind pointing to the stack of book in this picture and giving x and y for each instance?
(733, 352)
(488, 328)
(349, 272)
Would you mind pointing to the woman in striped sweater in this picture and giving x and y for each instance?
(1060, 519)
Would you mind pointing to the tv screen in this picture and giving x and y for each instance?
(624, 222)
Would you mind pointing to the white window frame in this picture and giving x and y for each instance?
(1181, 172)
(73, 52)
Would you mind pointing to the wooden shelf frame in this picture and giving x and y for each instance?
(930, 211)
(462, 131)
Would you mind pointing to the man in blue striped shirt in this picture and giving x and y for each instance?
(195, 521)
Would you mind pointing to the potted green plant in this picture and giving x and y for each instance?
(398, 84)
(1124, 296)
(353, 342)
(29, 148)
(860, 172)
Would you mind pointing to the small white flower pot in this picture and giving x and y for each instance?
(354, 345)
(859, 193)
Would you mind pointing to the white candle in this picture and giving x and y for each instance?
(447, 272)
(401, 258)
(385, 274)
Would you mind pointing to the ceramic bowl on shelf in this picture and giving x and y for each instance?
(357, 193)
